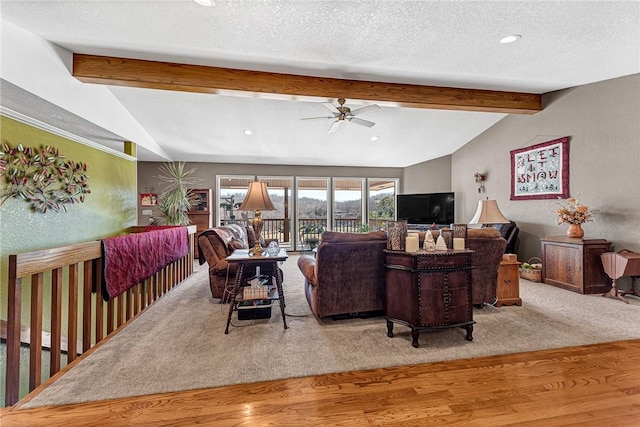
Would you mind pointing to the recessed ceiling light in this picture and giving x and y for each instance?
(374, 138)
(205, 2)
(247, 132)
(510, 39)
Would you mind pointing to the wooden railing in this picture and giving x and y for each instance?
(78, 269)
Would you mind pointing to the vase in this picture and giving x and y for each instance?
(575, 231)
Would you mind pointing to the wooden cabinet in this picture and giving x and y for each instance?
(201, 214)
(508, 289)
(575, 264)
(428, 290)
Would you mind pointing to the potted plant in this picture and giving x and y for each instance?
(363, 228)
(176, 200)
(310, 234)
(312, 242)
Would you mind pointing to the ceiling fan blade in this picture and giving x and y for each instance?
(335, 125)
(331, 107)
(368, 109)
(366, 123)
(322, 117)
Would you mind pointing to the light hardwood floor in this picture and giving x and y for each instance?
(595, 385)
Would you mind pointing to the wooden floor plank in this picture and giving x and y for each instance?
(595, 385)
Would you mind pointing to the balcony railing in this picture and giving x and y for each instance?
(310, 228)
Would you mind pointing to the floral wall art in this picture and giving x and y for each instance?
(541, 171)
(42, 177)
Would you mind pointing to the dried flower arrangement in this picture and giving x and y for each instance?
(41, 177)
(573, 212)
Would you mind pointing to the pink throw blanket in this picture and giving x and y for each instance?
(130, 259)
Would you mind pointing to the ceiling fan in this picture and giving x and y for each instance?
(342, 113)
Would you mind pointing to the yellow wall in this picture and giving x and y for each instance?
(109, 210)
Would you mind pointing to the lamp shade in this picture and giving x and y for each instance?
(488, 213)
(257, 198)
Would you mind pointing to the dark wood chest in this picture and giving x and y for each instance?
(427, 290)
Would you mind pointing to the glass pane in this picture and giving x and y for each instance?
(347, 205)
(277, 224)
(231, 192)
(382, 202)
(312, 210)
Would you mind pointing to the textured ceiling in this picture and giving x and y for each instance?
(442, 43)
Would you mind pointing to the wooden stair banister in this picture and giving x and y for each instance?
(47, 270)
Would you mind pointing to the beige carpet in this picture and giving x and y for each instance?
(180, 343)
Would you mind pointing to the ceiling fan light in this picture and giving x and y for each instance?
(510, 39)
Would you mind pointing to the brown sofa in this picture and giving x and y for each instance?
(347, 274)
(215, 245)
(488, 246)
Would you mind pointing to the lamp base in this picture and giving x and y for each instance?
(256, 250)
(257, 229)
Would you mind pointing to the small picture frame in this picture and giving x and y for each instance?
(447, 236)
(396, 235)
(148, 199)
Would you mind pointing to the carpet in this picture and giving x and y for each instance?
(179, 343)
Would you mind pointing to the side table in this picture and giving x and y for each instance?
(429, 290)
(244, 260)
(508, 289)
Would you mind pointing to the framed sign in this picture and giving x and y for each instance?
(148, 199)
(541, 171)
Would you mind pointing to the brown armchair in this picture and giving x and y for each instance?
(215, 245)
(488, 246)
(347, 274)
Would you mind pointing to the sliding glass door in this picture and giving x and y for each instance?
(347, 205)
(230, 194)
(312, 211)
(277, 224)
(381, 202)
(308, 206)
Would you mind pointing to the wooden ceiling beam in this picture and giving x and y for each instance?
(205, 79)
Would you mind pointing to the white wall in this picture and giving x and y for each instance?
(44, 69)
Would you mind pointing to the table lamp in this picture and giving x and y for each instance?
(488, 213)
(257, 199)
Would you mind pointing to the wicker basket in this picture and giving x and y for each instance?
(532, 274)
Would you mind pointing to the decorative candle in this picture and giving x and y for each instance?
(412, 243)
(458, 243)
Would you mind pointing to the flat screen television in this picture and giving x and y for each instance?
(427, 208)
